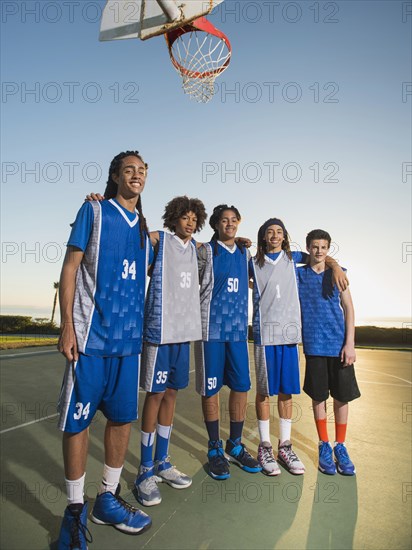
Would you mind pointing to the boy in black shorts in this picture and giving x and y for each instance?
(328, 334)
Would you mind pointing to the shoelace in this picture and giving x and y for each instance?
(151, 482)
(290, 454)
(125, 504)
(219, 457)
(326, 452)
(343, 455)
(173, 472)
(245, 453)
(267, 455)
(78, 527)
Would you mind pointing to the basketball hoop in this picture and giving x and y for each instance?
(200, 53)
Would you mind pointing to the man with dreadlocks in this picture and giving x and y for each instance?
(102, 290)
(276, 333)
(222, 357)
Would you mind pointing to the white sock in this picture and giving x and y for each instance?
(111, 478)
(285, 429)
(164, 431)
(147, 438)
(264, 430)
(75, 490)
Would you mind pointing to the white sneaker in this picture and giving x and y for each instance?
(148, 492)
(290, 459)
(267, 460)
(165, 471)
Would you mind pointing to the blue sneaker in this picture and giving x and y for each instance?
(218, 465)
(343, 462)
(111, 509)
(74, 534)
(236, 452)
(326, 464)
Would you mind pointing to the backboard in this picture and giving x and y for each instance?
(147, 18)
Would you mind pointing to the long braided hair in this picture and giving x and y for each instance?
(262, 245)
(215, 219)
(111, 189)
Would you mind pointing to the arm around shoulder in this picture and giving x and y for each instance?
(339, 276)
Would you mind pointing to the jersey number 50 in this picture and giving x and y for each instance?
(233, 284)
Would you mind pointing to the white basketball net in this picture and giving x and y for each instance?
(202, 58)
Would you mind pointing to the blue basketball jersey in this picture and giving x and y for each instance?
(172, 309)
(323, 322)
(224, 294)
(110, 283)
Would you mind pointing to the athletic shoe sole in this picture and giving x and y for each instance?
(153, 502)
(122, 527)
(296, 472)
(343, 473)
(273, 473)
(324, 471)
(242, 466)
(172, 484)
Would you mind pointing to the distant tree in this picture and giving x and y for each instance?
(56, 288)
(41, 320)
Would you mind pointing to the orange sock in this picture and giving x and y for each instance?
(340, 432)
(322, 428)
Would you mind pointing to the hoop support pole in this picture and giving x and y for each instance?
(170, 9)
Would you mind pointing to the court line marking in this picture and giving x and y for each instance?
(386, 374)
(46, 417)
(29, 353)
(28, 423)
(381, 383)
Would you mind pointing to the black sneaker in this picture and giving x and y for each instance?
(236, 452)
(218, 465)
(73, 532)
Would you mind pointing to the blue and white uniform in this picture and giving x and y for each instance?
(323, 321)
(276, 323)
(172, 315)
(323, 333)
(222, 356)
(107, 315)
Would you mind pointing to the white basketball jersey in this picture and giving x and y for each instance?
(172, 309)
(276, 309)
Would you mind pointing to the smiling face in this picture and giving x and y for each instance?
(274, 237)
(186, 226)
(131, 178)
(227, 226)
(318, 250)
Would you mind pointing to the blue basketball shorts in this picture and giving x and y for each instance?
(108, 384)
(165, 366)
(277, 369)
(221, 363)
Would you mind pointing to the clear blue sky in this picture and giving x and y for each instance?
(315, 92)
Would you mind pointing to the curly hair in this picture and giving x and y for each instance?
(215, 219)
(262, 245)
(111, 188)
(178, 207)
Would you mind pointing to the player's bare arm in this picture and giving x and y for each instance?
(339, 277)
(348, 354)
(67, 344)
